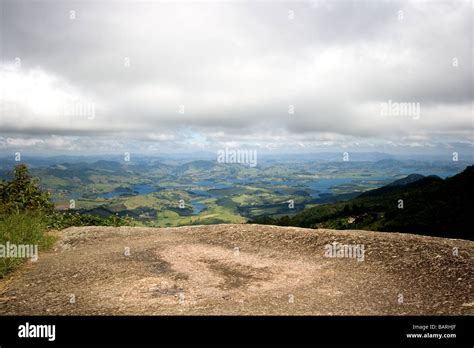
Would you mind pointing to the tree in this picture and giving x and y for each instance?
(347, 210)
(23, 193)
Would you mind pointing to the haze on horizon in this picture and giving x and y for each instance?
(156, 77)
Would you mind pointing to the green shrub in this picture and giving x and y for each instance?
(27, 228)
(63, 220)
(26, 212)
(23, 194)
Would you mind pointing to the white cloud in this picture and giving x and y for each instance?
(236, 68)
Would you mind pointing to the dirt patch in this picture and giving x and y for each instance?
(241, 270)
(237, 275)
(152, 261)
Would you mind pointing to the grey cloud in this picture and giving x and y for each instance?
(236, 67)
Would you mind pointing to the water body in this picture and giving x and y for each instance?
(325, 185)
(240, 181)
(211, 184)
(139, 189)
(320, 186)
(203, 193)
(197, 207)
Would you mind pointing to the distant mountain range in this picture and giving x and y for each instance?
(334, 194)
(378, 159)
(426, 205)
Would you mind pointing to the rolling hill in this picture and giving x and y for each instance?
(415, 204)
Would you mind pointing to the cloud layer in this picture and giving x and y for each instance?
(201, 75)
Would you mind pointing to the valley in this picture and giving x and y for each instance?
(162, 192)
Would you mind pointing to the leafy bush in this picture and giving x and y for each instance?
(64, 220)
(26, 213)
(23, 194)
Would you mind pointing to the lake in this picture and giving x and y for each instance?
(139, 189)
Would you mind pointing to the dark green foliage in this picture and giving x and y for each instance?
(26, 213)
(23, 194)
(64, 220)
(264, 220)
(431, 206)
(23, 209)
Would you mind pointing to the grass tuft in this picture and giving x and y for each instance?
(27, 228)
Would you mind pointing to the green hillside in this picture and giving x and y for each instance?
(428, 205)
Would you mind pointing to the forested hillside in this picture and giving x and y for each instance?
(428, 205)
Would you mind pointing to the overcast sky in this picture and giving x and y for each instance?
(151, 77)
